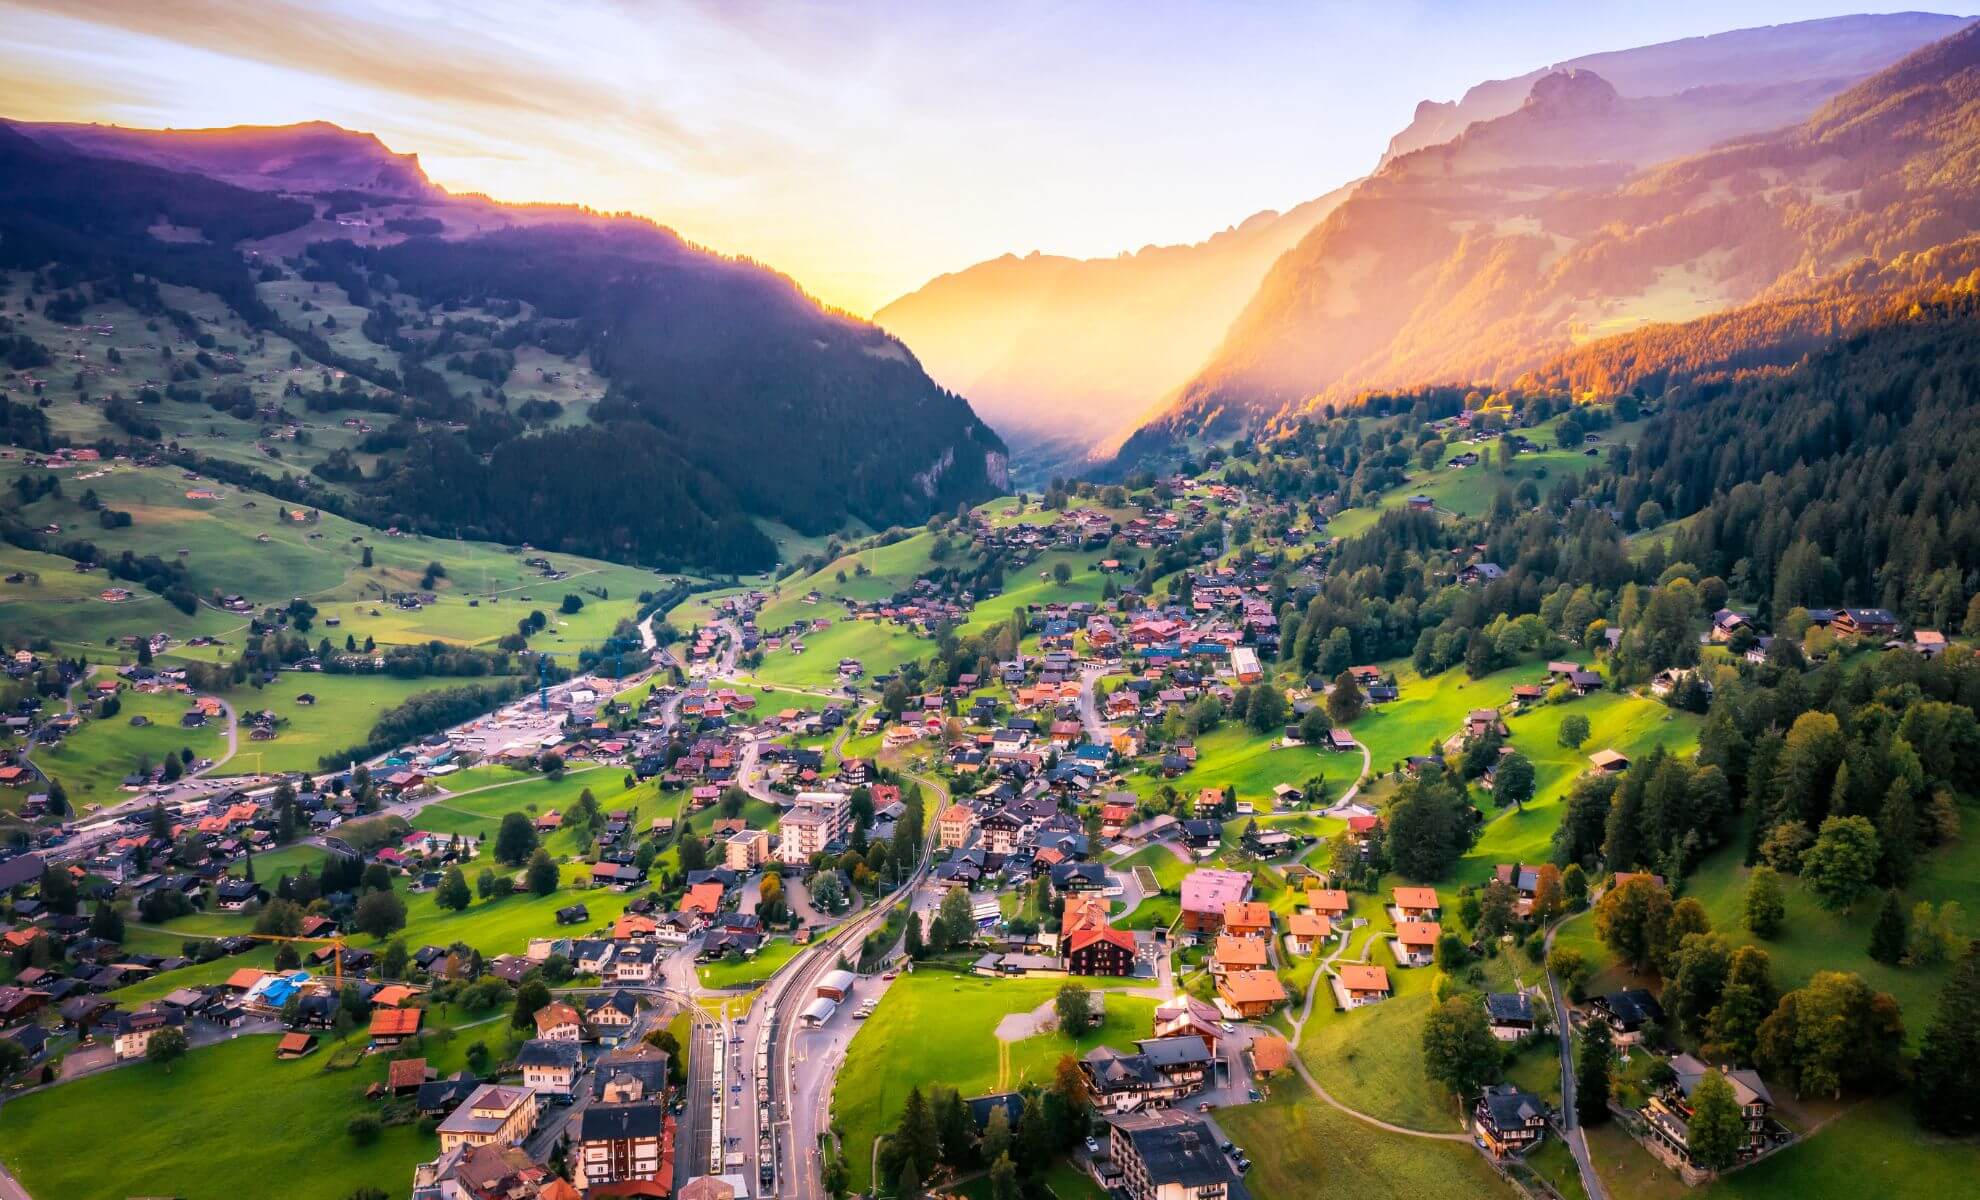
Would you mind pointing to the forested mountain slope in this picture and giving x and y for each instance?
(1451, 266)
(573, 381)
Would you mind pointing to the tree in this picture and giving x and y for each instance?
(1687, 917)
(166, 1047)
(1946, 1089)
(1345, 702)
(12, 1058)
(1574, 731)
(997, 1135)
(1717, 1128)
(1549, 900)
(954, 923)
(514, 839)
(1632, 919)
(1574, 886)
(380, 914)
(1766, 903)
(488, 884)
(1570, 966)
(1832, 1033)
(1591, 1074)
(106, 922)
(1035, 1144)
(453, 891)
(1459, 1050)
(532, 996)
(1744, 1002)
(916, 1139)
(1513, 782)
(1071, 1101)
(907, 1185)
(393, 964)
(1003, 1172)
(1888, 932)
(1838, 868)
(542, 874)
(1074, 1005)
(1697, 980)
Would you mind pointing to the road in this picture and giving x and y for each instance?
(1576, 1137)
(1089, 706)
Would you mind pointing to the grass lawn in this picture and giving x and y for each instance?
(1232, 755)
(1814, 939)
(346, 708)
(1876, 1140)
(1371, 1058)
(938, 1027)
(1554, 1162)
(1301, 1147)
(772, 956)
(92, 762)
(59, 603)
(879, 647)
(283, 1121)
(289, 860)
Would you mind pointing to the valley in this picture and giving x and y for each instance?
(1466, 686)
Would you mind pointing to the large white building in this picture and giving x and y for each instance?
(813, 823)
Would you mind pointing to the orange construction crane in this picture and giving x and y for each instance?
(337, 943)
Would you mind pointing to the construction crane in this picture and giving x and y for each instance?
(336, 943)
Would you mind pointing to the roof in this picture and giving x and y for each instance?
(1504, 1007)
(1252, 987)
(1209, 890)
(1308, 924)
(296, 1043)
(1416, 897)
(395, 1022)
(1607, 758)
(555, 1014)
(542, 1052)
(1241, 952)
(1175, 1149)
(1419, 933)
(1269, 1052)
(499, 1098)
(1327, 900)
(404, 1072)
(1248, 913)
(1510, 1107)
(618, 1122)
(1361, 977)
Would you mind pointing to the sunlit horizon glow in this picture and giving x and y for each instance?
(861, 149)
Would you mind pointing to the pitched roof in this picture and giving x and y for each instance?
(395, 1022)
(1252, 987)
(1416, 897)
(405, 1073)
(1419, 933)
(1361, 977)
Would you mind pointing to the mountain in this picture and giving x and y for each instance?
(1049, 347)
(1475, 261)
(1835, 49)
(312, 157)
(559, 378)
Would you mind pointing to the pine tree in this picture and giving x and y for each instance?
(1946, 1092)
(1591, 1074)
(1888, 933)
(916, 1137)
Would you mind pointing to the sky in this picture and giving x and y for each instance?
(860, 148)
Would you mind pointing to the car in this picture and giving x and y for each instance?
(1226, 1147)
(1254, 1094)
(1092, 1146)
(1204, 1106)
(1227, 1027)
(890, 975)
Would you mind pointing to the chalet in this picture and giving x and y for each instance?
(1248, 919)
(1863, 622)
(1510, 1014)
(1163, 1071)
(391, 1026)
(1251, 994)
(1525, 695)
(1508, 1121)
(1416, 904)
(1726, 625)
(953, 825)
(405, 1076)
(1668, 1113)
(550, 1068)
(1305, 930)
(1416, 943)
(1202, 837)
(1928, 643)
(296, 1045)
(1206, 893)
(1331, 903)
(559, 1022)
(1359, 984)
(1100, 950)
(1237, 954)
(136, 1029)
(1483, 572)
(1627, 1013)
(1608, 762)
(1340, 741)
(1584, 682)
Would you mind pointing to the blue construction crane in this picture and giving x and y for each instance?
(543, 682)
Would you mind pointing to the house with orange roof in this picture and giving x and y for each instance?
(1360, 984)
(631, 927)
(390, 1026)
(1416, 904)
(1251, 995)
(559, 1022)
(1416, 943)
(1331, 903)
(1305, 930)
(1237, 954)
(703, 898)
(1250, 918)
